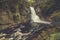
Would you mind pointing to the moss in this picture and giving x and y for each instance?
(55, 36)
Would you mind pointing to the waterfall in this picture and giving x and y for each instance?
(35, 18)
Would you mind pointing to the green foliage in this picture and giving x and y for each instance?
(55, 36)
(31, 2)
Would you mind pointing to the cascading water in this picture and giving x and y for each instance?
(35, 18)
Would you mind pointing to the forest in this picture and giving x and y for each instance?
(29, 19)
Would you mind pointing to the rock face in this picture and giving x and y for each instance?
(15, 19)
(13, 12)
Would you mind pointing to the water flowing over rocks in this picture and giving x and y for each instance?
(16, 19)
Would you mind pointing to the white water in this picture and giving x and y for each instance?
(35, 18)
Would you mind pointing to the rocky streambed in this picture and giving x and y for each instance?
(40, 31)
(15, 20)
